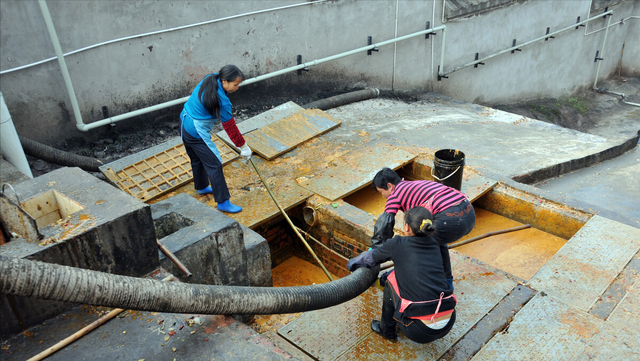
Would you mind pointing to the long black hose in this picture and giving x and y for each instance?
(342, 99)
(57, 156)
(48, 281)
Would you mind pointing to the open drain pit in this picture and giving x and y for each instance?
(521, 253)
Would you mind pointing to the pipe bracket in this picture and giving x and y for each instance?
(514, 44)
(299, 61)
(476, 65)
(597, 57)
(370, 42)
(426, 36)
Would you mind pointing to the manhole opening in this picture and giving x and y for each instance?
(521, 253)
(170, 223)
(50, 207)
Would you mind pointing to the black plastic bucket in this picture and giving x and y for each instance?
(448, 165)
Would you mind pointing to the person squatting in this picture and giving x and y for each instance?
(417, 297)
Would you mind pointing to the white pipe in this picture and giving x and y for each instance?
(267, 76)
(604, 42)
(10, 146)
(572, 26)
(62, 62)
(433, 22)
(621, 95)
(395, 49)
(616, 23)
(160, 32)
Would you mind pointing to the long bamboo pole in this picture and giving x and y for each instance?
(76, 335)
(295, 229)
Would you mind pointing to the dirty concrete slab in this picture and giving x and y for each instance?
(354, 170)
(258, 207)
(501, 142)
(618, 339)
(613, 342)
(328, 333)
(607, 185)
(583, 269)
(285, 134)
(628, 311)
(343, 332)
(262, 119)
(545, 329)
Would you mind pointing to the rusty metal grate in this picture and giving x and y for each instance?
(161, 172)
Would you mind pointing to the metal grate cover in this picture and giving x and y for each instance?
(160, 172)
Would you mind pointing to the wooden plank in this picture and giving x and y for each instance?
(354, 170)
(285, 134)
(474, 185)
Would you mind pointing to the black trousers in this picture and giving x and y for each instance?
(415, 330)
(452, 224)
(206, 167)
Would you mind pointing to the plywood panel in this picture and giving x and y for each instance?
(354, 170)
(285, 134)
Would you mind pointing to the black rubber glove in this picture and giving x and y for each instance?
(383, 278)
(365, 259)
(383, 229)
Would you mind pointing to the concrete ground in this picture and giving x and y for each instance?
(583, 304)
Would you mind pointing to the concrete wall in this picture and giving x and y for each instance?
(127, 75)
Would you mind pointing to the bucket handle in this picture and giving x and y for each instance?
(441, 179)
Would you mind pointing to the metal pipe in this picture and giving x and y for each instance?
(622, 95)
(63, 64)
(604, 42)
(519, 46)
(258, 78)
(173, 258)
(322, 244)
(295, 229)
(477, 238)
(161, 32)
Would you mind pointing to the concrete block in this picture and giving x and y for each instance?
(258, 259)
(206, 241)
(86, 223)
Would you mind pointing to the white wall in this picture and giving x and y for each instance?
(140, 72)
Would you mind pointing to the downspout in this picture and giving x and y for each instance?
(395, 50)
(10, 143)
(604, 42)
(63, 64)
(595, 82)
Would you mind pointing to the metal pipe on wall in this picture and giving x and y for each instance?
(161, 32)
(63, 64)
(111, 120)
(508, 50)
(604, 42)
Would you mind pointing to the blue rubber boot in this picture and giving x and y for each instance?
(226, 206)
(202, 192)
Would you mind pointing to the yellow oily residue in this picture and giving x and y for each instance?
(292, 272)
(520, 253)
(367, 199)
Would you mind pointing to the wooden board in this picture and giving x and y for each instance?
(285, 134)
(354, 170)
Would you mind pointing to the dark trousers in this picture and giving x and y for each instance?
(415, 330)
(206, 167)
(452, 224)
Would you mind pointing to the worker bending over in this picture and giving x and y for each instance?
(416, 296)
(453, 214)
